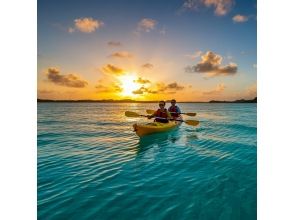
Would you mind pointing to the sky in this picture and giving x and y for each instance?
(190, 50)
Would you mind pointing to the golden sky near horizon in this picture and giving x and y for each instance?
(180, 53)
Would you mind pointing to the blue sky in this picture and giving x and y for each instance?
(178, 31)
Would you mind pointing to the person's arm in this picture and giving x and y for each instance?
(152, 116)
(179, 110)
(169, 115)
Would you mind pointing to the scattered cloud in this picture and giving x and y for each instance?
(169, 88)
(211, 65)
(160, 88)
(194, 55)
(219, 89)
(121, 54)
(114, 44)
(162, 31)
(112, 88)
(240, 18)
(86, 25)
(111, 69)
(146, 24)
(69, 80)
(147, 66)
(143, 90)
(71, 30)
(221, 7)
(174, 86)
(142, 81)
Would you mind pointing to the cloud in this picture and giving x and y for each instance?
(160, 88)
(221, 7)
(194, 55)
(174, 86)
(86, 25)
(147, 66)
(112, 88)
(70, 80)
(146, 24)
(240, 18)
(142, 81)
(211, 65)
(219, 89)
(71, 30)
(169, 88)
(114, 44)
(162, 31)
(121, 54)
(143, 90)
(111, 69)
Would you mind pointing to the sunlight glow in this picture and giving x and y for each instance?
(129, 85)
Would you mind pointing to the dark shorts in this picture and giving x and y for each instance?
(161, 120)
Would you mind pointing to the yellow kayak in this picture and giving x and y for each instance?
(154, 127)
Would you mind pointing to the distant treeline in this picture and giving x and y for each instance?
(134, 101)
(237, 101)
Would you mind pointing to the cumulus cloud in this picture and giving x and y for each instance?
(111, 69)
(112, 88)
(147, 66)
(219, 89)
(114, 44)
(69, 80)
(240, 18)
(147, 24)
(162, 88)
(143, 90)
(121, 54)
(221, 7)
(142, 81)
(211, 65)
(194, 55)
(86, 25)
(169, 88)
(174, 86)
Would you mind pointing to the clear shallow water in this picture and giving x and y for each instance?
(92, 166)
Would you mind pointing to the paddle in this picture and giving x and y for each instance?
(135, 115)
(149, 111)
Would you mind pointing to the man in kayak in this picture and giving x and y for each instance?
(174, 109)
(162, 114)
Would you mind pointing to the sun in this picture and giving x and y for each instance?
(129, 85)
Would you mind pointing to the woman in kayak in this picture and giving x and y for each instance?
(162, 114)
(174, 109)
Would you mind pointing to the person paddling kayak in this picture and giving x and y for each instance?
(174, 109)
(162, 113)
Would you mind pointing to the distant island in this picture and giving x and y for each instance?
(236, 101)
(135, 101)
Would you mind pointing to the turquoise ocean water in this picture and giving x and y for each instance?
(91, 165)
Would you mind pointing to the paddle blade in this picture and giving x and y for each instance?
(149, 111)
(131, 114)
(190, 114)
(192, 122)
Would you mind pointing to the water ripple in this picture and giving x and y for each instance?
(99, 169)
